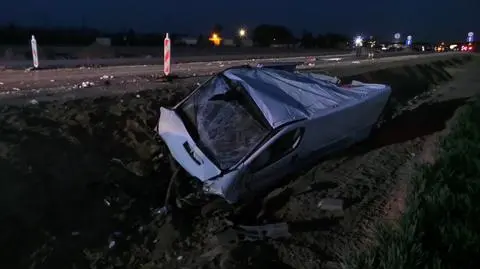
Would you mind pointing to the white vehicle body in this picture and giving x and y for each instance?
(246, 128)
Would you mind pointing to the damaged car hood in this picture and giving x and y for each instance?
(183, 148)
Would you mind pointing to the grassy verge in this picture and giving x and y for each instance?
(441, 225)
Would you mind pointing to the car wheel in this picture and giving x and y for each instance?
(216, 207)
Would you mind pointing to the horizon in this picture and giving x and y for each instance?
(225, 34)
(427, 20)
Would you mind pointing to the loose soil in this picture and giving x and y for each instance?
(81, 180)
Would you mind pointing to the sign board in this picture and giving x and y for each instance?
(409, 40)
(166, 55)
(104, 41)
(470, 37)
(34, 52)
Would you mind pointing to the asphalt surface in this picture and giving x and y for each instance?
(69, 84)
(12, 78)
(177, 57)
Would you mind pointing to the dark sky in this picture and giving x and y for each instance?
(424, 19)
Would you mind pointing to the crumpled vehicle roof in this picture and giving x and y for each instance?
(285, 97)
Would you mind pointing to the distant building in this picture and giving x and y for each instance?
(186, 41)
(228, 42)
(104, 41)
(247, 42)
(282, 45)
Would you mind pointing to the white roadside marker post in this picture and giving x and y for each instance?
(34, 52)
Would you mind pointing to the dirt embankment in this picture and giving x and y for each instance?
(80, 180)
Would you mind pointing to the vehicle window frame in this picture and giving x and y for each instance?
(249, 106)
(295, 144)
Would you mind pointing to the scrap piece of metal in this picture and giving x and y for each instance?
(329, 204)
(242, 233)
(263, 232)
(230, 237)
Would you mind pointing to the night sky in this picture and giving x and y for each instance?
(424, 19)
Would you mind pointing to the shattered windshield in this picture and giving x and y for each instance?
(223, 120)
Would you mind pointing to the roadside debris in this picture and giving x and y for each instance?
(105, 77)
(86, 84)
(310, 61)
(242, 233)
(267, 231)
(329, 204)
(229, 238)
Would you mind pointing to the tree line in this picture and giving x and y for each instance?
(263, 35)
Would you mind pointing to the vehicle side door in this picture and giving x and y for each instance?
(276, 160)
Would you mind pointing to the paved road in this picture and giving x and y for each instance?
(180, 69)
(176, 58)
(69, 89)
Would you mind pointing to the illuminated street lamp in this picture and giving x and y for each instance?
(358, 41)
(242, 32)
(215, 39)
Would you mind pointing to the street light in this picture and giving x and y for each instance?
(358, 41)
(216, 39)
(242, 32)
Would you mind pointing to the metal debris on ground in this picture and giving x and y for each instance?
(243, 233)
(210, 255)
(105, 77)
(268, 231)
(86, 84)
(164, 210)
(229, 238)
(310, 61)
(329, 204)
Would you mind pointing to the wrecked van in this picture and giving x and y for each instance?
(245, 128)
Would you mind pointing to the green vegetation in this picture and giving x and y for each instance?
(441, 225)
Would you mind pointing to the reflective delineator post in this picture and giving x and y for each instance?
(34, 52)
(166, 56)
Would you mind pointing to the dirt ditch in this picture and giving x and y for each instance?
(80, 182)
